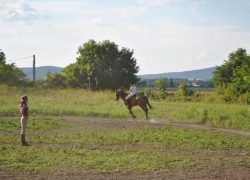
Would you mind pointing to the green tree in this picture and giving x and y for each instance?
(103, 66)
(2, 57)
(9, 73)
(183, 90)
(75, 76)
(53, 80)
(232, 78)
(161, 85)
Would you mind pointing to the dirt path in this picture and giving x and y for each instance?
(111, 123)
(202, 126)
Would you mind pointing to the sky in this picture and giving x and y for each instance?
(166, 35)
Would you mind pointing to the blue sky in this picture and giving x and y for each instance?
(166, 35)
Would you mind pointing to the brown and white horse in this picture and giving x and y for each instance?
(141, 101)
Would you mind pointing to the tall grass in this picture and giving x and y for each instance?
(78, 102)
(61, 102)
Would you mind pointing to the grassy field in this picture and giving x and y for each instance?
(75, 131)
(64, 145)
(76, 102)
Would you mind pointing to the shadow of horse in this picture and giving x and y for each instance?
(140, 100)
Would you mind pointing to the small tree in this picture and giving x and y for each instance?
(161, 85)
(183, 90)
(53, 81)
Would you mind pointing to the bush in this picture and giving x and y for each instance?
(244, 98)
(148, 92)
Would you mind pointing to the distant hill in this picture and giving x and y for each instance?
(41, 71)
(201, 74)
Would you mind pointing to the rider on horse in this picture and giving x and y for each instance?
(141, 100)
(132, 92)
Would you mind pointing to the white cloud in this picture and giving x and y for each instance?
(163, 2)
(194, 11)
(56, 6)
(153, 2)
(104, 21)
(16, 10)
(202, 56)
(113, 16)
(66, 11)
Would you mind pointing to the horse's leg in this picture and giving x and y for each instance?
(145, 109)
(146, 112)
(131, 112)
(147, 102)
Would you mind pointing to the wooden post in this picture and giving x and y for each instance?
(34, 68)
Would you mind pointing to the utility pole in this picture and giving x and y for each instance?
(34, 68)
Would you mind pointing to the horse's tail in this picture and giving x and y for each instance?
(147, 102)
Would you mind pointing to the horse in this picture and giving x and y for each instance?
(141, 101)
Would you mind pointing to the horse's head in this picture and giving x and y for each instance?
(118, 94)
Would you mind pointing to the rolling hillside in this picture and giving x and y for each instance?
(201, 74)
(41, 72)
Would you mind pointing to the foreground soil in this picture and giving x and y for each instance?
(238, 172)
(219, 173)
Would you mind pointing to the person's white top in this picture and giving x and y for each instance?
(132, 89)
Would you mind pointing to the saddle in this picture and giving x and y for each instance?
(134, 96)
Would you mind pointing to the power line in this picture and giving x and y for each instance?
(34, 63)
(19, 59)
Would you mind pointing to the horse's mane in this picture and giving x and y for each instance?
(122, 92)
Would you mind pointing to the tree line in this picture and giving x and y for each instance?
(102, 65)
(173, 83)
(9, 73)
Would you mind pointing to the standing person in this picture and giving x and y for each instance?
(132, 92)
(24, 119)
